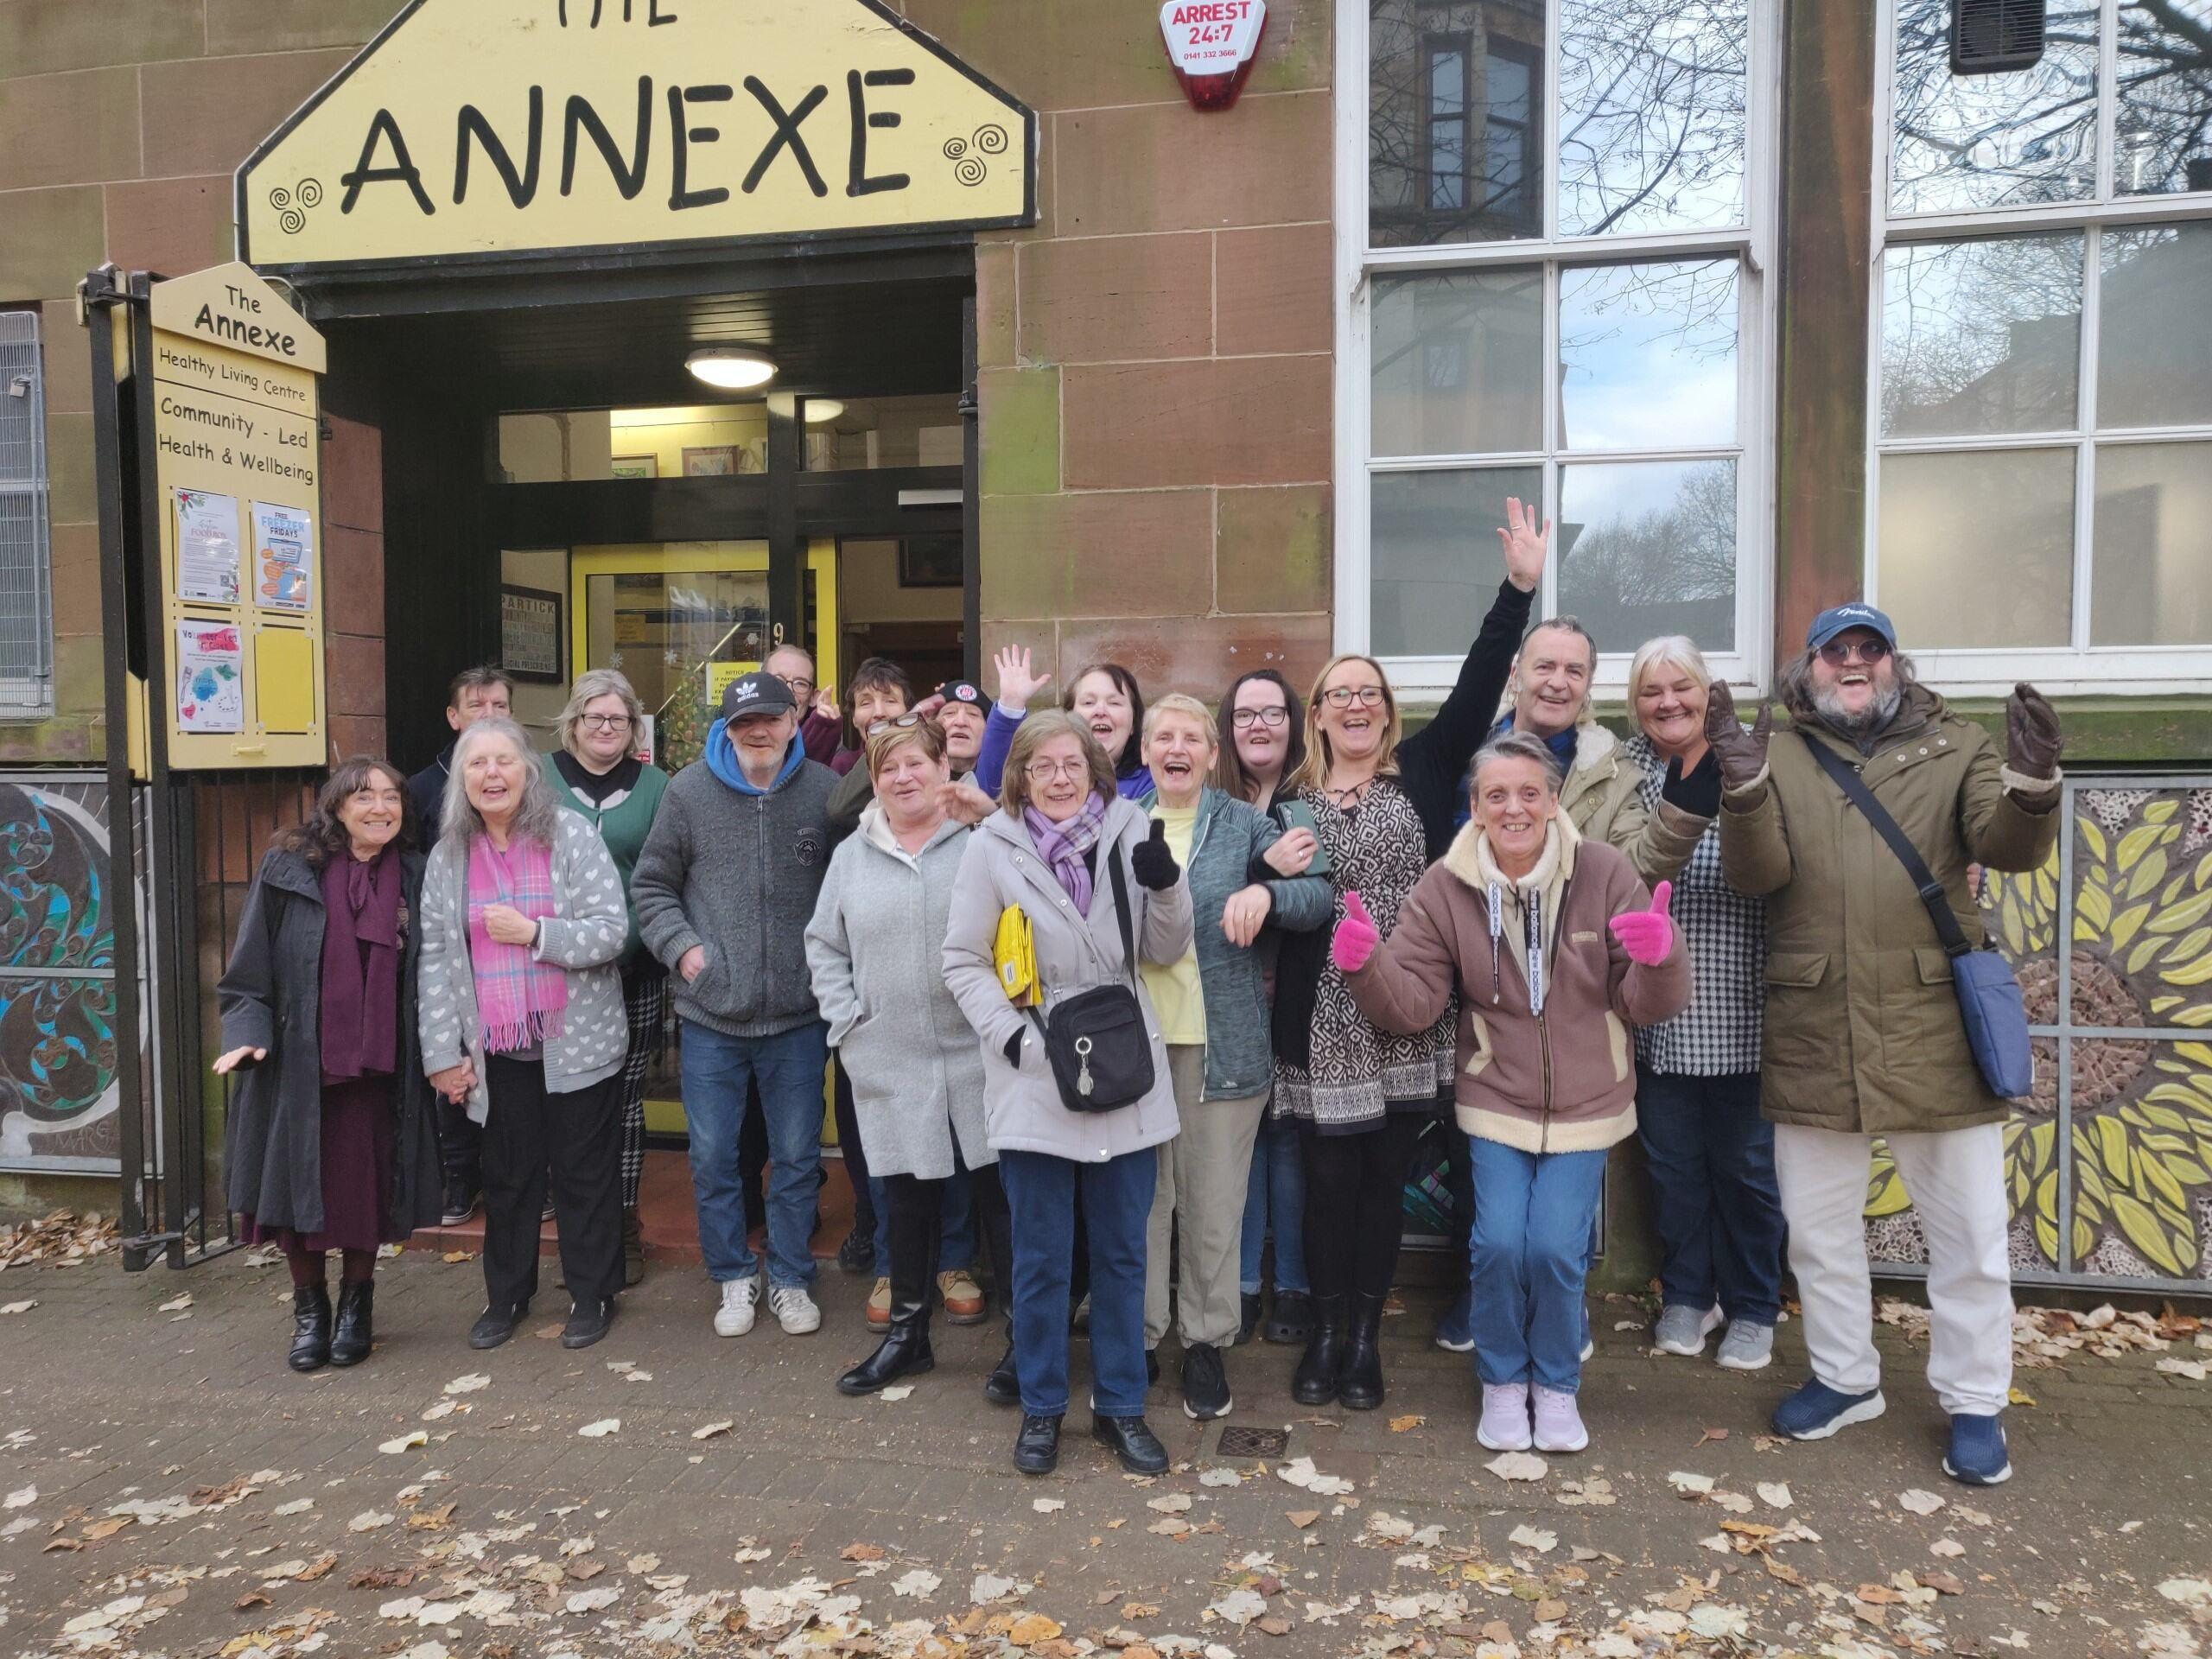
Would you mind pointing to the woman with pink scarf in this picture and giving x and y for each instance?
(521, 1021)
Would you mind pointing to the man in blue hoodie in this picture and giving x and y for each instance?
(724, 888)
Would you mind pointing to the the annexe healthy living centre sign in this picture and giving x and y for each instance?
(491, 128)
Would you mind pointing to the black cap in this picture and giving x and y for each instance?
(962, 691)
(756, 693)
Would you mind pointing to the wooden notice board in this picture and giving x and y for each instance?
(237, 466)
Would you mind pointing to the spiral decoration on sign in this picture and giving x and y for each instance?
(968, 164)
(291, 204)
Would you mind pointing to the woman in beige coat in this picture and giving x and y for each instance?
(1052, 850)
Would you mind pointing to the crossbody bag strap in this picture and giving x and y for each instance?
(1121, 909)
(1931, 892)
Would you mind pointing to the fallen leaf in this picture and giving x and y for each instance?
(320, 1567)
(918, 1583)
(1220, 1478)
(1535, 1538)
(176, 1304)
(709, 1431)
(1949, 1548)
(1919, 1500)
(1688, 1484)
(2020, 1397)
(251, 1598)
(1303, 1518)
(21, 1498)
(1775, 1494)
(20, 1307)
(1518, 1465)
(1410, 1421)
(1711, 1435)
(369, 1520)
(601, 1429)
(584, 1571)
(860, 1553)
(1943, 1584)
(405, 1442)
(1172, 1503)
(896, 1394)
(1300, 1472)
(455, 1258)
(469, 1384)
(594, 1601)
(1049, 1505)
(1031, 1628)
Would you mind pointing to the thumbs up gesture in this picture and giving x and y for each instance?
(1356, 936)
(1648, 935)
(1152, 865)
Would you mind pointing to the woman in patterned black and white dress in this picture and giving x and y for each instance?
(1383, 807)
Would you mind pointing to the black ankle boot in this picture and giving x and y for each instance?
(1003, 1386)
(351, 1341)
(1359, 1383)
(905, 1350)
(1037, 1448)
(1132, 1441)
(310, 1328)
(1314, 1382)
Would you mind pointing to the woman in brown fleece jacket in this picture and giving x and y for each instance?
(1556, 950)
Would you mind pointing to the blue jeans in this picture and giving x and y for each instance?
(788, 1067)
(1715, 1198)
(1530, 1250)
(1041, 1194)
(957, 1250)
(1276, 1197)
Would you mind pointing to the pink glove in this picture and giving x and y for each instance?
(1647, 935)
(1356, 937)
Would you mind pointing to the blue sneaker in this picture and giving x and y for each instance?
(1976, 1456)
(1455, 1331)
(1816, 1411)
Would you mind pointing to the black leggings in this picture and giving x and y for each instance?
(917, 1230)
(1356, 1204)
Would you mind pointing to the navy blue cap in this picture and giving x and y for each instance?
(963, 691)
(757, 694)
(1841, 618)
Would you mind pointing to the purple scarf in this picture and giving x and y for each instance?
(359, 1013)
(1063, 845)
(519, 1000)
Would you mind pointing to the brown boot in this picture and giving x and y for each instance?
(633, 1249)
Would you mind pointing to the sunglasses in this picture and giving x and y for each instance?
(1836, 652)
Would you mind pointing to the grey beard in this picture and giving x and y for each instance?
(1874, 717)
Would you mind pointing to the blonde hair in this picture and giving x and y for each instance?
(1314, 769)
(1669, 649)
(1178, 702)
(925, 735)
(1036, 731)
(591, 685)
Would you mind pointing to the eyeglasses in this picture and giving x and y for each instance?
(1343, 696)
(1836, 652)
(605, 723)
(1243, 718)
(801, 689)
(899, 723)
(1042, 772)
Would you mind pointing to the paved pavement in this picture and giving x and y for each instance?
(170, 1488)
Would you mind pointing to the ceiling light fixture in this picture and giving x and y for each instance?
(820, 412)
(733, 368)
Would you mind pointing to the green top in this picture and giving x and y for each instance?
(623, 827)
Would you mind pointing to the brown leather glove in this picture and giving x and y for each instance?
(2032, 733)
(1743, 754)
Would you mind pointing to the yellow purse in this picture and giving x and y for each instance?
(1015, 949)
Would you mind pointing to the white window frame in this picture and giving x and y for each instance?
(1428, 678)
(2078, 668)
(28, 695)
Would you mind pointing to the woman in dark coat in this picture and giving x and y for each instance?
(332, 1144)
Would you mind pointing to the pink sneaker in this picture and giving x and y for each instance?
(1504, 1426)
(1559, 1423)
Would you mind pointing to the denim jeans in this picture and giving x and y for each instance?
(1040, 1194)
(1275, 1198)
(788, 1068)
(957, 1244)
(1715, 1200)
(1530, 1250)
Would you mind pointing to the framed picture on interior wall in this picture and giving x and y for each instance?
(931, 562)
(717, 461)
(637, 466)
(530, 634)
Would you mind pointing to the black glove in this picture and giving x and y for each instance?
(1697, 792)
(1013, 1050)
(1152, 865)
(2031, 735)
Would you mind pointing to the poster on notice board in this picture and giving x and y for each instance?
(283, 556)
(210, 689)
(206, 546)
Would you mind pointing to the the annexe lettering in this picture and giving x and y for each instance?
(220, 325)
(387, 158)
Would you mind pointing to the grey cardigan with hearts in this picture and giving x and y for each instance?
(1021, 1104)
(584, 935)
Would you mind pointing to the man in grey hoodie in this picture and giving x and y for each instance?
(723, 890)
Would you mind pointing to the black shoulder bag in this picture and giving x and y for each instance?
(1989, 995)
(1096, 1041)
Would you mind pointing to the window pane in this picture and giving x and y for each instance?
(1990, 141)
(1458, 363)
(1652, 115)
(1976, 549)
(1434, 555)
(1647, 355)
(1981, 336)
(2162, 140)
(1649, 547)
(2155, 330)
(2152, 581)
(1490, 125)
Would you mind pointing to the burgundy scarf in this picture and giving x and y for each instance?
(361, 965)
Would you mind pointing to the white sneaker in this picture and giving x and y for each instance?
(1559, 1422)
(1504, 1426)
(794, 1309)
(735, 1317)
(1682, 1329)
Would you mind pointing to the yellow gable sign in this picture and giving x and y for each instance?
(494, 128)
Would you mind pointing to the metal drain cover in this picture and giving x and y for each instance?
(1238, 1440)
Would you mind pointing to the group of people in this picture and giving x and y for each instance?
(1148, 1006)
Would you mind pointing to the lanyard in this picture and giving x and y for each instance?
(1533, 908)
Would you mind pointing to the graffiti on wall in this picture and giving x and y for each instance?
(2108, 1163)
(58, 1093)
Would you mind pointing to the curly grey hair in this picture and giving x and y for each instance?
(538, 816)
(591, 685)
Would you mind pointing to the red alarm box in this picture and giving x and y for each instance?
(1211, 44)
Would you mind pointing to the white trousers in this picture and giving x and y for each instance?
(1957, 1180)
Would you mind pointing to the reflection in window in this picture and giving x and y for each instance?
(1981, 336)
(1652, 115)
(1448, 125)
(2150, 567)
(1648, 548)
(1457, 363)
(1510, 166)
(1435, 570)
(1647, 355)
(1454, 113)
(1978, 547)
(2162, 137)
(1963, 141)
(2154, 336)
